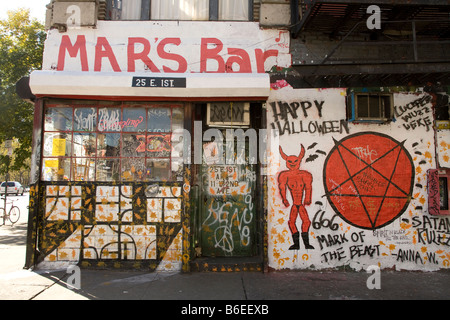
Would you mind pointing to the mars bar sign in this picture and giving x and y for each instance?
(239, 48)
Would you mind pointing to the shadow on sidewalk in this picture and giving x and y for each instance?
(13, 235)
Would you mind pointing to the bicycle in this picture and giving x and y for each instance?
(13, 214)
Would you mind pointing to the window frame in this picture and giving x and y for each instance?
(74, 155)
(146, 11)
(354, 112)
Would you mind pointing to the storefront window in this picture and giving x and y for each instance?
(134, 120)
(158, 169)
(83, 169)
(108, 145)
(159, 120)
(127, 143)
(84, 119)
(58, 119)
(133, 169)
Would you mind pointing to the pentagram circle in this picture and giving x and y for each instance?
(368, 179)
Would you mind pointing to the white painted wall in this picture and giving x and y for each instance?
(409, 241)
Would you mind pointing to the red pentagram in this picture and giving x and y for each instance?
(368, 179)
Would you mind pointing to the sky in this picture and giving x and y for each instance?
(37, 7)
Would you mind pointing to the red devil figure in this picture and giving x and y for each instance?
(299, 183)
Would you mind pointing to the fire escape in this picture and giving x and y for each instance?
(332, 45)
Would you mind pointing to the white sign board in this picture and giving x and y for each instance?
(168, 47)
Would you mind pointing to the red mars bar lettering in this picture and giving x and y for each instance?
(104, 50)
(211, 56)
(73, 50)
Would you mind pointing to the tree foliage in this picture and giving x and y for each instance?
(21, 49)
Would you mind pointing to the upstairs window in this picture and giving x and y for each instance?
(180, 10)
(131, 9)
(189, 10)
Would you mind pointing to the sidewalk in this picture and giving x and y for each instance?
(302, 285)
(19, 284)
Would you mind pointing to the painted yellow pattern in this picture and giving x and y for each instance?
(114, 210)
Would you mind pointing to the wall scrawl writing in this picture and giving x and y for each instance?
(288, 119)
(416, 114)
(432, 230)
(225, 218)
(229, 215)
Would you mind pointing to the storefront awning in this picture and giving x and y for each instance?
(151, 86)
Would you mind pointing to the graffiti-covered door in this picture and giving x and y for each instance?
(228, 213)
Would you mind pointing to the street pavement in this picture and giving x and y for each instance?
(17, 283)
